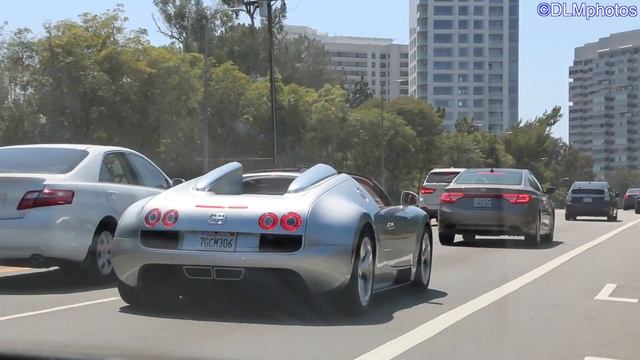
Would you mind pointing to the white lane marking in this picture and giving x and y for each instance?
(597, 358)
(39, 312)
(429, 329)
(608, 289)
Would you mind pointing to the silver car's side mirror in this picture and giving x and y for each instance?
(409, 198)
(177, 181)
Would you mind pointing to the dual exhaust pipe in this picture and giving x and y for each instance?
(213, 273)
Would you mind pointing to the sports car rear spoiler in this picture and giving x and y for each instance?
(227, 179)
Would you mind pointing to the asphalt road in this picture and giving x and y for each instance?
(494, 298)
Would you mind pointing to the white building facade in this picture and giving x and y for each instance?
(464, 58)
(604, 112)
(383, 64)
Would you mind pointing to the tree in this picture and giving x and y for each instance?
(624, 178)
(360, 93)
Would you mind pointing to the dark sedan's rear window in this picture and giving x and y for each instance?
(498, 177)
(40, 160)
(441, 177)
(587, 191)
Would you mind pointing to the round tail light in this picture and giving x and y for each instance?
(152, 218)
(268, 221)
(291, 221)
(170, 218)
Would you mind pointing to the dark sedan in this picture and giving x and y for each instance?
(591, 198)
(496, 202)
(630, 197)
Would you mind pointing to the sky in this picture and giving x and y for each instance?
(546, 44)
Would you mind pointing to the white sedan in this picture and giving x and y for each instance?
(59, 204)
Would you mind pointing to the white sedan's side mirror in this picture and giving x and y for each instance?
(177, 181)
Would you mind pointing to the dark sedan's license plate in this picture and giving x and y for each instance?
(482, 203)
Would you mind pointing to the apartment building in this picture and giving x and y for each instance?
(464, 58)
(604, 113)
(383, 64)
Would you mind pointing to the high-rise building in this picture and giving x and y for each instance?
(604, 113)
(464, 58)
(383, 64)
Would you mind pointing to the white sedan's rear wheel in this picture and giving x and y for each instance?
(103, 255)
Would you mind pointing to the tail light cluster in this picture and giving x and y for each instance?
(452, 197)
(155, 217)
(626, 196)
(427, 191)
(46, 197)
(290, 221)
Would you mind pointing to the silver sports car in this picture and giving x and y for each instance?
(330, 232)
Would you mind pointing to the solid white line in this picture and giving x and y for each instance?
(608, 290)
(429, 329)
(39, 312)
(597, 358)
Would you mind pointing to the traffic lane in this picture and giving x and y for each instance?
(556, 316)
(302, 329)
(28, 290)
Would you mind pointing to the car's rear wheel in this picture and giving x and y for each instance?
(446, 237)
(613, 216)
(638, 208)
(98, 262)
(131, 295)
(552, 227)
(534, 239)
(569, 217)
(423, 268)
(468, 237)
(359, 291)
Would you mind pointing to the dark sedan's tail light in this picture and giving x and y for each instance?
(626, 196)
(518, 198)
(268, 221)
(291, 221)
(153, 218)
(46, 197)
(427, 191)
(170, 218)
(450, 197)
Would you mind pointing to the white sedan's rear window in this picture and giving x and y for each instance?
(40, 160)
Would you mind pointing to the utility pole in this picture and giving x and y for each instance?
(272, 80)
(205, 94)
(382, 144)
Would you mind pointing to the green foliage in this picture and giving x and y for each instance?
(361, 93)
(92, 81)
(624, 178)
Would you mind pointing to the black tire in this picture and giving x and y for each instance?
(613, 217)
(422, 277)
(94, 266)
(535, 238)
(131, 295)
(351, 301)
(638, 208)
(446, 237)
(468, 237)
(569, 217)
(549, 237)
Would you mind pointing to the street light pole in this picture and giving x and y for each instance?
(272, 80)
(205, 94)
(382, 144)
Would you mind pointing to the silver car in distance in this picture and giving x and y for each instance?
(329, 232)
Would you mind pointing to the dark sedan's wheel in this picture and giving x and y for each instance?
(613, 216)
(468, 237)
(357, 294)
(446, 237)
(535, 238)
(547, 238)
(423, 269)
(638, 208)
(569, 217)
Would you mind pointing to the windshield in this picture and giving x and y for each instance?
(498, 177)
(435, 143)
(40, 160)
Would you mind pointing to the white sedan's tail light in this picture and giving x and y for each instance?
(46, 197)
